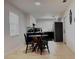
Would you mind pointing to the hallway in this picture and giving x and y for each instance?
(57, 51)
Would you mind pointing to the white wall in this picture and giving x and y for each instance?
(46, 25)
(69, 35)
(12, 43)
(30, 20)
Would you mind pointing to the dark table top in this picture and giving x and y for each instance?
(37, 35)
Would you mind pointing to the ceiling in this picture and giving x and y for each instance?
(47, 7)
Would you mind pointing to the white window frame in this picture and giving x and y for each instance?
(14, 23)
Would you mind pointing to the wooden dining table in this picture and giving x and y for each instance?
(38, 40)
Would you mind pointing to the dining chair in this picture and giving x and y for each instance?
(28, 41)
(45, 44)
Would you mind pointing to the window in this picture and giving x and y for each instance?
(14, 24)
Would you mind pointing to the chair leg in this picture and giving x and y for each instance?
(41, 50)
(34, 48)
(26, 48)
(48, 48)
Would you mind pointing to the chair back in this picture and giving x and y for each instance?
(28, 39)
(25, 38)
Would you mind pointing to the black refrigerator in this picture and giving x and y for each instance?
(58, 32)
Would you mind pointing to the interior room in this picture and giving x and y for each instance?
(39, 29)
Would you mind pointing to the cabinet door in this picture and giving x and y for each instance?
(58, 31)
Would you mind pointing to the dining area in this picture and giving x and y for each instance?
(41, 44)
(37, 39)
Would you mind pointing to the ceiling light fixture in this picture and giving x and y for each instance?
(37, 3)
(64, 0)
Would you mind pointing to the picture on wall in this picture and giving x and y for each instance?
(70, 17)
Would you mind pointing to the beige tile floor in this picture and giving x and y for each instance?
(57, 51)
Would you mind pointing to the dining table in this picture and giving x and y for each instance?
(37, 40)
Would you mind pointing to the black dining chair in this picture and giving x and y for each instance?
(45, 44)
(28, 41)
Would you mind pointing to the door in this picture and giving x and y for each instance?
(58, 32)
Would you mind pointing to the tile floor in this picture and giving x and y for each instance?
(57, 51)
